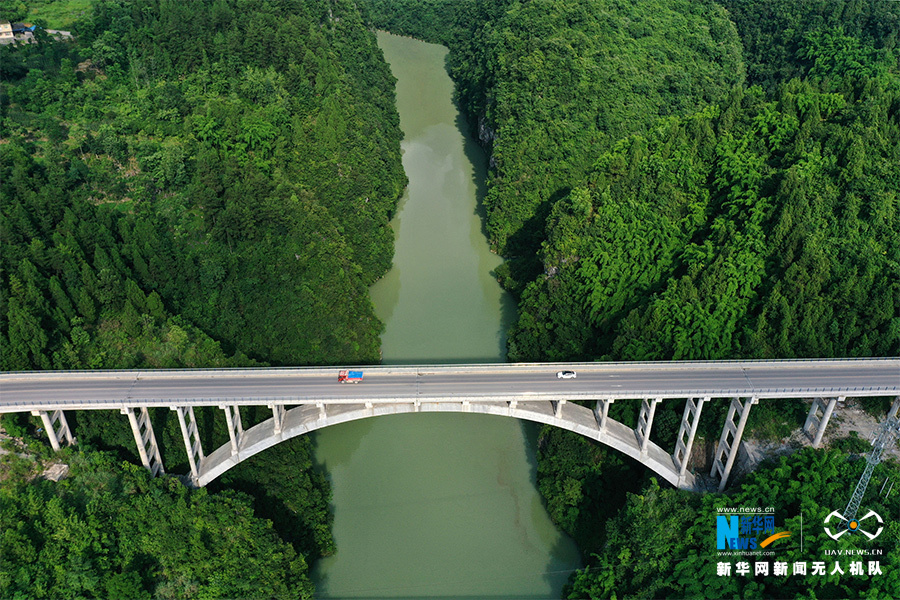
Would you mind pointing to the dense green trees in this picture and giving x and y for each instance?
(652, 216)
(778, 35)
(236, 162)
(655, 205)
(663, 542)
(549, 84)
(738, 233)
(109, 530)
(198, 184)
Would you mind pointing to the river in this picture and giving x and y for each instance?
(438, 505)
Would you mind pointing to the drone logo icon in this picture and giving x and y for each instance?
(853, 525)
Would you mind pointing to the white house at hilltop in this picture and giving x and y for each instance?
(6, 33)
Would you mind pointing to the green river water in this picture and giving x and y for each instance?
(438, 505)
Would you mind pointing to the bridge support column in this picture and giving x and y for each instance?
(322, 413)
(689, 423)
(729, 449)
(894, 412)
(147, 447)
(56, 426)
(512, 404)
(819, 420)
(235, 429)
(601, 413)
(278, 416)
(191, 436)
(557, 408)
(645, 422)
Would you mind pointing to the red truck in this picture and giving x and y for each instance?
(350, 376)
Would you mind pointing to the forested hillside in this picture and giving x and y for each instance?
(680, 181)
(665, 209)
(662, 544)
(190, 184)
(110, 530)
(549, 84)
(191, 173)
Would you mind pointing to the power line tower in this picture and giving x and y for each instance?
(884, 436)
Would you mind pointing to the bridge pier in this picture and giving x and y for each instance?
(191, 436)
(56, 426)
(278, 415)
(601, 413)
(235, 428)
(689, 423)
(557, 408)
(817, 420)
(645, 423)
(729, 449)
(147, 447)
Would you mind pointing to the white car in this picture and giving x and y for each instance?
(565, 375)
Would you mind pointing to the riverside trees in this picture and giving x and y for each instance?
(111, 530)
(674, 181)
(199, 184)
(231, 165)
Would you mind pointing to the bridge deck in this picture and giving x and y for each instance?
(21, 392)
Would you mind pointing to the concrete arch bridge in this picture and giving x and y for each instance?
(310, 398)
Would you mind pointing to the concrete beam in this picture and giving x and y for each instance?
(277, 416)
(728, 449)
(191, 436)
(147, 447)
(56, 426)
(818, 417)
(645, 422)
(304, 418)
(601, 413)
(689, 422)
(557, 408)
(235, 428)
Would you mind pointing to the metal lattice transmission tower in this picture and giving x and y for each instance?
(885, 435)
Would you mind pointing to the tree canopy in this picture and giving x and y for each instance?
(110, 530)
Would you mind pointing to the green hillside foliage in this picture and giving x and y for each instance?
(656, 206)
(766, 228)
(195, 184)
(285, 485)
(662, 543)
(188, 174)
(109, 530)
(776, 34)
(551, 84)
(54, 14)
(435, 21)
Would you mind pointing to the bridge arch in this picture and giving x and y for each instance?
(579, 419)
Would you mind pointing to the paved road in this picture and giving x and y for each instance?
(504, 382)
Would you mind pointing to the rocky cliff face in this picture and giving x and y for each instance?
(486, 137)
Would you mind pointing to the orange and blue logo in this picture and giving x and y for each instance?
(853, 525)
(741, 532)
